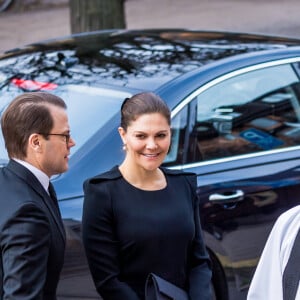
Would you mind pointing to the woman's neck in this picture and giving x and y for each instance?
(143, 179)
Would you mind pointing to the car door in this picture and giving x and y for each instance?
(241, 136)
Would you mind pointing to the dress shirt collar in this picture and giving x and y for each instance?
(41, 176)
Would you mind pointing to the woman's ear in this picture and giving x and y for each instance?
(122, 133)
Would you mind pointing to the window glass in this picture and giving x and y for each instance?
(178, 126)
(297, 68)
(255, 111)
(88, 108)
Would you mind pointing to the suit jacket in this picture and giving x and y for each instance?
(32, 237)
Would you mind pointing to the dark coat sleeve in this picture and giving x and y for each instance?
(25, 248)
(101, 244)
(200, 265)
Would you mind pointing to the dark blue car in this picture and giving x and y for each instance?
(235, 101)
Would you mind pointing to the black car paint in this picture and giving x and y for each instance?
(180, 61)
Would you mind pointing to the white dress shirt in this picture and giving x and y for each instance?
(267, 281)
(40, 175)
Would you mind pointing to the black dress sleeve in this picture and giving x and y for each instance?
(101, 244)
(200, 265)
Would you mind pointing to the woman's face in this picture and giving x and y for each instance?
(147, 140)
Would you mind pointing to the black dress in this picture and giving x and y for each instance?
(129, 232)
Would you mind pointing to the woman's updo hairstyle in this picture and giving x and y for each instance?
(140, 104)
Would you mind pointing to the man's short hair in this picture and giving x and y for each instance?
(28, 113)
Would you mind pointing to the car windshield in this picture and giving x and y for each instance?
(89, 109)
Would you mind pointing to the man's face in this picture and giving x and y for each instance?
(56, 150)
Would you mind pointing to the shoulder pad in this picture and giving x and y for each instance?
(113, 173)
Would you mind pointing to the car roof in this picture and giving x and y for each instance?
(142, 59)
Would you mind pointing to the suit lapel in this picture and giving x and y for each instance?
(31, 180)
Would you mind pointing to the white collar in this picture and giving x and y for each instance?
(40, 175)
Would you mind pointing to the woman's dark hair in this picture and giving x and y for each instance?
(26, 114)
(140, 104)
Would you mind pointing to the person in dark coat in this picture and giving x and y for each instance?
(32, 238)
(141, 218)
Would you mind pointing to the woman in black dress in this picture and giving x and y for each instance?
(140, 218)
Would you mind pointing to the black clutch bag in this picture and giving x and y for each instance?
(157, 288)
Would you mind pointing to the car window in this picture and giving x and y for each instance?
(89, 109)
(247, 113)
(179, 126)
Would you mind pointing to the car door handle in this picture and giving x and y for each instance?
(227, 197)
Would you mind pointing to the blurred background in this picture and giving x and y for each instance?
(28, 21)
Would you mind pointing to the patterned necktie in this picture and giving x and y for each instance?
(291, 274)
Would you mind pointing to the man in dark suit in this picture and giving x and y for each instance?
(32, 239)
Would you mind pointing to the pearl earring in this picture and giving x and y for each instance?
(124, 147)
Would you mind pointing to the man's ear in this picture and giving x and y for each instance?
(35, 142)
